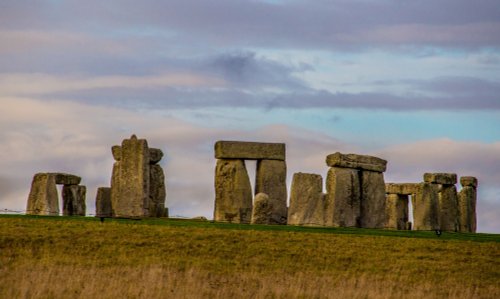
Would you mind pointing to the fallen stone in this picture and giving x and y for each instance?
(355, 161)
(249, 150)
(467, 198)
(73, 197)
(441, 178)
(401, 188)
(264, 208)
(372, 213)
(468, 181)
(306, 200)
(449, 217)
(155, 155)
(233, 192)
(343, 200)
(132, 198)
(43, 198)
(116, 150)
(200, 218)
(271, 179)
(103, 202)
(397, 211)
(66, 179)
(425, 207)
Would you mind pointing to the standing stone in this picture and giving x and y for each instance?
(73, 197)
(103, 202)
(157, 191)
(43, 199)
(343, 201)
(397, 211)
(133, 194)
(467, 204)
(264, 210)
(115, 186)
(306, 200)
(425, 207)
(233, 192)
(372, 200)
(271, 180)
(449, 217)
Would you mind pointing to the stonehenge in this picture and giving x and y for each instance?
(356, 194)
(43, 197)
(233, 191)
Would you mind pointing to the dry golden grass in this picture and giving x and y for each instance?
(74, 258)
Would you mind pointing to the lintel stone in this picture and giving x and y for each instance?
(441, 178)
(468, 181)
(66, 179)
(402, 188)
(249, 150)
(355, 161)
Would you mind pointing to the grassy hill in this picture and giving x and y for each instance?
(63, 257)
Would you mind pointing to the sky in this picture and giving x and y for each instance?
(414, 82)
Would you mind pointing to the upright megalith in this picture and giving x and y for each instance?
(271, 179)
(43, 198)
(233, 193)
(343, 198)
(448, 211)
(426, 207)
(467, 204)
(355, 191)
(73, 197)
(307, 206)
(137, 182)
(265, 210)
(103, 202)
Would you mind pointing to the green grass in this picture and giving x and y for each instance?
(51, 257)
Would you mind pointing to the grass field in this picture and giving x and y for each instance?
(63, 257)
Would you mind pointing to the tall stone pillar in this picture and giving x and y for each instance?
(306, 200)
(233, 192)
(425, 207)
(372, 213)
(43, 198)
(103, 202)
(73, 197)
(449, 219)
(157, 192)
(343, 199)
(271, 179)
(467, 204)
(131, 198)
(115, 178)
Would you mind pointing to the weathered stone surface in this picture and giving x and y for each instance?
(343, 200)
(66, 179)
(233, 192)
(249, 150)
(115, 186)
(43, 199)
(103, 202)
(467, 208)
(132, 198)
(441, 178)
(355, 161)
(397, 211)
(468, 181)
(271, 179)
(448, 208)
(264, 210)
(157, 191)
(372, 200)
(425, 207)
(155, 155)
(401, 188)
(73, 197)
(116, 150)
(306, 200)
